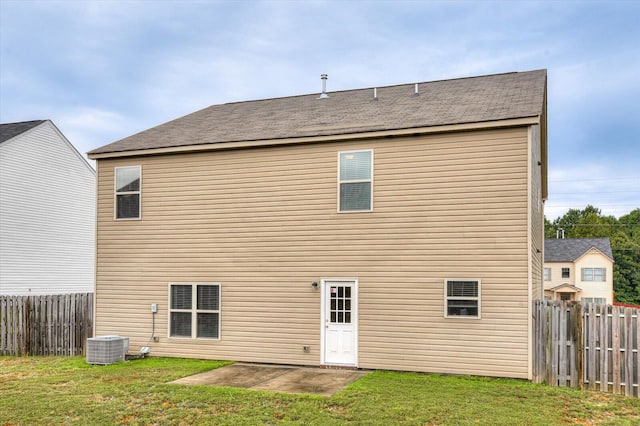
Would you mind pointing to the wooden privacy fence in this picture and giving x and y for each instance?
(588, 346)
(45, 325)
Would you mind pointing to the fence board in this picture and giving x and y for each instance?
(45, 325)
(615, 344)
(604, 348)
(562, 347)
(592, 350)
(637, 348)
(628, 352)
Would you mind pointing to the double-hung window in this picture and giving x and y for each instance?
(355, 181)
(462, 298)
(594, 274)
(194, 310)
(566, 273)
(547, 274)
(127, 192)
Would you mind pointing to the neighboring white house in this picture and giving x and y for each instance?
(47, 212)
(578, 269)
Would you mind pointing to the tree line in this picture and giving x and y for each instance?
(624, 234)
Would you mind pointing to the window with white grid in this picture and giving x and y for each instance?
(194, 310)
(594, 274)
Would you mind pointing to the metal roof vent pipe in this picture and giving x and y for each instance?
(324, 86)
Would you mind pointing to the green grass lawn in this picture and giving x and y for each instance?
(56, 390)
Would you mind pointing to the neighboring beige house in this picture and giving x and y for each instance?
(395, 227)
(578, 269)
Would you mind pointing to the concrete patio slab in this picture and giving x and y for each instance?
(287, 379)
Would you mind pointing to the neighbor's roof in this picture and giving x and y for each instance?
(445, 102)
(11, 130)
(561, 250)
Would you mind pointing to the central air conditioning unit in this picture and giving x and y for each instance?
(106, 350)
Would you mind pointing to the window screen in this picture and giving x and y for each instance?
(127, 192)
(355, 181)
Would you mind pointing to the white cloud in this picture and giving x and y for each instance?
(88, 128)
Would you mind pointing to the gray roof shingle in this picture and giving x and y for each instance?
(568, 250)
(11, 130)
(444, 102)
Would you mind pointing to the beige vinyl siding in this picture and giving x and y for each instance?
(263, 223)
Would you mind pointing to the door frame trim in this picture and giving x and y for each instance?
(323, 314)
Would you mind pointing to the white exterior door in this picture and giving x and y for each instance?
(339, 322)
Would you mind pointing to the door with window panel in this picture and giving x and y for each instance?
(340, 322)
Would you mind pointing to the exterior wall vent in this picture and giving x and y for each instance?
(106, 350)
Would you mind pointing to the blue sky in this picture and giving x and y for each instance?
(103, 70)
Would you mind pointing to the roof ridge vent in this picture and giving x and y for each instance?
(323, 95)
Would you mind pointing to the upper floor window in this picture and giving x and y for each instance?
(355, 181)
(127, 193)
(594, 274)
(566, 273)
(547, 274)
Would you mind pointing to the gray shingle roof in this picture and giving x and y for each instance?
(11, 130)
(444, 102)
(568, 250)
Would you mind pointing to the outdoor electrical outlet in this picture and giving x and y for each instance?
(306, 348)
(154, 307)
(156, 338)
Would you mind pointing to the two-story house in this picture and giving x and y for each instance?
(47, 212)
(578, 269)
(395, 227)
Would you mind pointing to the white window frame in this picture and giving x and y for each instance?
(116, 193)
(583, 275)
(478, 299)
(194, 311)
(546, 274)
(340, 181)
